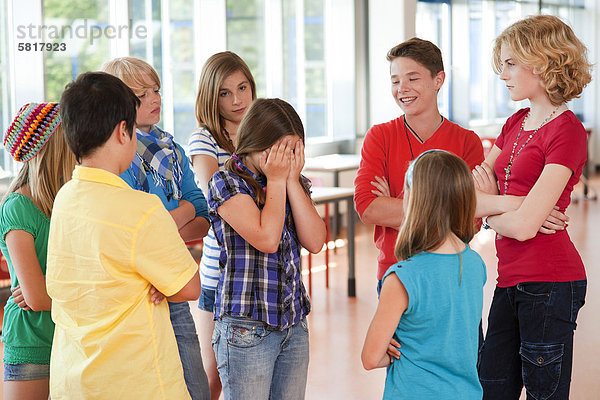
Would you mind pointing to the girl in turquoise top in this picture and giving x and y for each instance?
(35, 138)
(431, 303)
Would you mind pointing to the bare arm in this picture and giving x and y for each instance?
(183, 214)
(195, 229)
(393, 301)
(309, 225)
(191, 291)
(489, 202)
(32, 282)
(384, 211)
(204, 167)
(262, 229)
(524, 222)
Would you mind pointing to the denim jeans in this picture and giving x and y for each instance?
(258, 363)
(206, 301)
(529, 341)
(26, 372)
(189, 351)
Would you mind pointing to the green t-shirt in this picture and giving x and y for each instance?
(27, 335)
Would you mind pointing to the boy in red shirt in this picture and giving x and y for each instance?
(417, 74)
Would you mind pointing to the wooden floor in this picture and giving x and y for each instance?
(338, 324)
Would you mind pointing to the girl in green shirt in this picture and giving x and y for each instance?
(36, 139)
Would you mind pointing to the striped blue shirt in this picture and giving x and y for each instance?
(201, 142)
(263, 286)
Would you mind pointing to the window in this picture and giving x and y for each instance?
(298, 50)
(433, 24)
(170, 46)
(301, 59)
(6, 164)
(246, 37)
(465, 31)
(285, 44)
(76, 24)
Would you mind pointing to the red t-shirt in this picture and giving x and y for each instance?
(386, 152)
(545, 258)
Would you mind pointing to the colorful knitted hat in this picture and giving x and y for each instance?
(31, 129)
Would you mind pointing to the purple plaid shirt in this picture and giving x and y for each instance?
(265, 287)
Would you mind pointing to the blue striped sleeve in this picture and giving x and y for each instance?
(201, 142)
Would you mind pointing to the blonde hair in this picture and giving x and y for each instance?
(265, 122)
(46, 172)
(551, 49)
(131, 70)
(441, 201)
(214, 72)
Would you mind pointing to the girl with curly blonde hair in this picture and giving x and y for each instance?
(524, 187)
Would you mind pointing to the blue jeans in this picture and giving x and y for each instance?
(529, 341)
(256, 362)
(206, 301)
(26, 372)
(189, 351)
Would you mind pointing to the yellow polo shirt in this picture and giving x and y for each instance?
(108, 244)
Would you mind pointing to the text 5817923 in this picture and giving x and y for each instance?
(42, 46)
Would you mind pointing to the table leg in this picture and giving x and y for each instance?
(350, 231)
(336, 211)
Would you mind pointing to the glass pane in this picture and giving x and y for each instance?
(6, 164)
(315, 68)
(475, 75)
(506, 14)
(433, 24)
(314, 29)
(182, 68)
(182, 41)
(316, 83)
(580, 20)
(290, 55)
(139, 45)
(316, 120)
(184, 100)
(84, 28)
(246, 36)
(316, 101)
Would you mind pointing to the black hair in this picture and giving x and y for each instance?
(91, 107)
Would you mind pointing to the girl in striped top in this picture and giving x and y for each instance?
(225, 91)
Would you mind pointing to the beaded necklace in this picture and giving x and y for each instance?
(512, 153)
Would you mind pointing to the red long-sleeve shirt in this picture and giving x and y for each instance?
(386, 152)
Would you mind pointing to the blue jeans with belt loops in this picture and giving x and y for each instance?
(529, 341)
(258, 363)
(189, 350)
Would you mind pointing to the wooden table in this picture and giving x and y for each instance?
(323, 195)
(335, 164)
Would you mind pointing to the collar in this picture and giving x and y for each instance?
(154, 131)
(99, 176)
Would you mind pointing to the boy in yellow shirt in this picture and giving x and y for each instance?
(109, 247)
